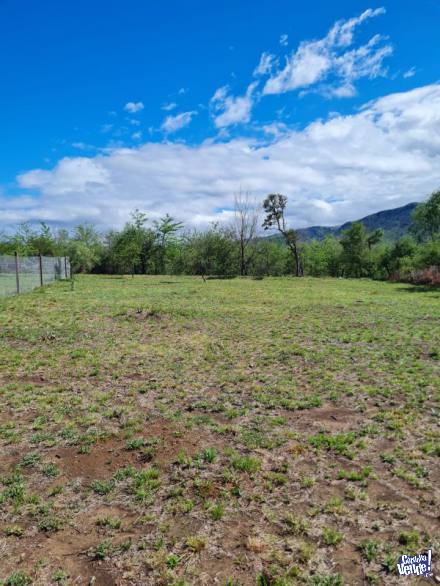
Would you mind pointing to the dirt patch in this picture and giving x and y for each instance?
(327, 418)
(348, 563)
(104, 459)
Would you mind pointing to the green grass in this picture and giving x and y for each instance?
(280, 424)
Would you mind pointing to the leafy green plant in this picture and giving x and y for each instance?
(245, 463)
(331, 536)
(18, 579)
(370, 549)
(102, 487)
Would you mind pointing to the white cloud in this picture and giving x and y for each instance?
(133, 107)
(334, 170)
(330, 59)
(136, 135)
(267, 62)
(170, 106)
(410, 73)
(275, 129)
(83, 146)
(177, 122)
(228, 110)
(284, 40)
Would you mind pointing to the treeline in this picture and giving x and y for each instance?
(165, 247)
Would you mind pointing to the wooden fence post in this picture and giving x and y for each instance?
(65, 267)
(40, 260)
(17, 277)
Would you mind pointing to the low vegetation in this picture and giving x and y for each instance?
(165, 247)
(172, 431)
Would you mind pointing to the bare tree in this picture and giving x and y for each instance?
(274, 206)
(245, 226)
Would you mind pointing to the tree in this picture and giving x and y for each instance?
(354, 245)
(323, 258)
(166, 228)
(245, 227)
(270, 258)
(212, 252)
(129, 250)
(274, 206)
(374, 237)
(85, 248)
(42, 242)
(426, 217)
(398, 257)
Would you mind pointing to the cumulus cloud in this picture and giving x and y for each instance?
(228, 110)
(174, 123)
(133, 107)
(284, 40)
(330, 60)
(334, 170)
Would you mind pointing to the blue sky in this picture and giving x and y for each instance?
(107, 106)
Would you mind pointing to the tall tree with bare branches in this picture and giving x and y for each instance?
(274, 205)
(245, 225)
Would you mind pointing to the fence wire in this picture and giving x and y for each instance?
(19, 274)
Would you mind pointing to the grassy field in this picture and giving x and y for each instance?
(167, 431)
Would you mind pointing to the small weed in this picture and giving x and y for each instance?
(18, 579)
(60, 576)
(355, 475)
(196, 543)
(30, 460)
(135, 444)
(14, 530)
(172, 561)
(112, 522)
(307, 481)
(339, 442)
(209, 455)
(409, 538)
(326, 580)
(370, 549)
(295, 524)
(103, 550)
(331, 536)
(50, 524)
(245, 463)
(50, 470)
(217, 511)
(102, 487)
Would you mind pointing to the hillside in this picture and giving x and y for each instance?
(395, 223)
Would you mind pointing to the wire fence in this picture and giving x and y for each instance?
(19, 274)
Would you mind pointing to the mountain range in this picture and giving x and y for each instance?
(394, 223)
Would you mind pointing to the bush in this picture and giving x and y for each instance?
(428, 276)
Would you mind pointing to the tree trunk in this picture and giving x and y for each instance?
(242, 259)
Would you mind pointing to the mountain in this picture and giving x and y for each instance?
(395, 223)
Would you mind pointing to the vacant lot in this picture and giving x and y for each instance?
(163, 430)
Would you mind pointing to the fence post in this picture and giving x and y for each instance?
(40, 260)
(17, 278)
(65, 267)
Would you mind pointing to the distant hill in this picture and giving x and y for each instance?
(395, 223)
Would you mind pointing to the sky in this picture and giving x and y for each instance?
(108, 106)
